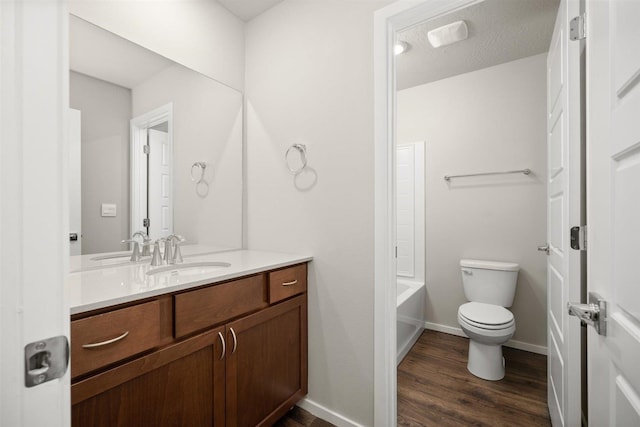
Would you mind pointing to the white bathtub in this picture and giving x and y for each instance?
(411, 302)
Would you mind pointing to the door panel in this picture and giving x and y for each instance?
(34, 223)
(159, 185)
(614, 171)
(563, 211)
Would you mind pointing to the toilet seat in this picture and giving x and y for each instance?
(486, 316)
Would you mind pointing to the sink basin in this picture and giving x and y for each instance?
(188, 269)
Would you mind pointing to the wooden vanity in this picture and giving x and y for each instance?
(232, 353)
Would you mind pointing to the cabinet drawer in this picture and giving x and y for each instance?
(287, 282)
(99, 340)
(206, 307)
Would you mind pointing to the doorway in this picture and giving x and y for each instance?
(389, 22)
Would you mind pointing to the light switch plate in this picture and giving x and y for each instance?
(108, 209)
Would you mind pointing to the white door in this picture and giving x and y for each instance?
(34, 224)
(75, 186)
(159, 185)
(563, 212)
(613, 200)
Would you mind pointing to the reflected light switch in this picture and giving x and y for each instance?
(108, 209)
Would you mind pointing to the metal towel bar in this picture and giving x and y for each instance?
(523, 171)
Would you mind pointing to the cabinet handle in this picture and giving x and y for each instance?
(111, 341)
(290, 283)
(235, 340)
(224, 346)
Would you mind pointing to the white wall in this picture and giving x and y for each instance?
(207, 127)
(488, 120)
(309, 79)
(106, 110)
(200, 34)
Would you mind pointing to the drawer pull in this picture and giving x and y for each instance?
(224, 346)
(235, 340)
(290, 283)
(107, 342)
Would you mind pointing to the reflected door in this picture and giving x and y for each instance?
(159, 185)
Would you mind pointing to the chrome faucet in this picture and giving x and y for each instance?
(171, 255)
(136, 253)
(146, 242)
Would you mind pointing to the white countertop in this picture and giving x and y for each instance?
(99, 288)
(121, 258)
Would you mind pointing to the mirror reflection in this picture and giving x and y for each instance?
(145, 121)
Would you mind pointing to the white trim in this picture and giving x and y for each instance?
(387, 21)
(519, 345)
(327, 414)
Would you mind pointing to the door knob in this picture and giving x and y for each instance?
(544, 248)
(594, 313)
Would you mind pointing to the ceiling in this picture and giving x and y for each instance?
(98, 53)
(499, 31)
(248, 9)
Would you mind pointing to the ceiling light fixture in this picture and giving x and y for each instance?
(400, 47)
(448, 34)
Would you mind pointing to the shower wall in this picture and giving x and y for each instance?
(488, 120)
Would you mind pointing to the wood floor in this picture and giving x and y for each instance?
(435, 388)
(298, 417)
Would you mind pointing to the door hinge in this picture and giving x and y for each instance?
(146, 222)
(577, 30)
(146, 149)
(578, 238)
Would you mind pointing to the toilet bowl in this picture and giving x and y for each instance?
(490, 287)
(488, 327)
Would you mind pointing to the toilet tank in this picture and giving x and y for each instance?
(490, 282)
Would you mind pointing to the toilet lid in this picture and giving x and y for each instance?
(484, 315)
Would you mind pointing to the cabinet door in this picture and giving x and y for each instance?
(179, 385)
(267, 366)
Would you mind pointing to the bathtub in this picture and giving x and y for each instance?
(411, 301)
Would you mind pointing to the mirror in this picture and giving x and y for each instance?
(160, 147)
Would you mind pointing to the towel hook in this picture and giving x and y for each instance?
(200, 165)
(302, 149)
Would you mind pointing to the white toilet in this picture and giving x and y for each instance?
(490, 286)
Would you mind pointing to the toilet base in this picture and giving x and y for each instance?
(486, 361)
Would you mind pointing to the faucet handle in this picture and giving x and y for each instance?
(135, 253)
(146, 246)
(177, 255)
(157, 258)
(168, 250)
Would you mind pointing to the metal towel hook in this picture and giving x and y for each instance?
(302, 149)
(199, 165)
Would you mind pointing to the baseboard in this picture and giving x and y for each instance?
(443, 328)
(326, 414)
(532, 348)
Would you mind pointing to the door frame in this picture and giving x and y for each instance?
(387, 21)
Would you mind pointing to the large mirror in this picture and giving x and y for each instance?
(160, 147)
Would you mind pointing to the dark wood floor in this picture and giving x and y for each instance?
(435, 388)
(298, 417)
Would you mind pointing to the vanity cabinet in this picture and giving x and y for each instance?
(230, 358)
(267, 370)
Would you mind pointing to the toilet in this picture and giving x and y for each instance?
(489, 286)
